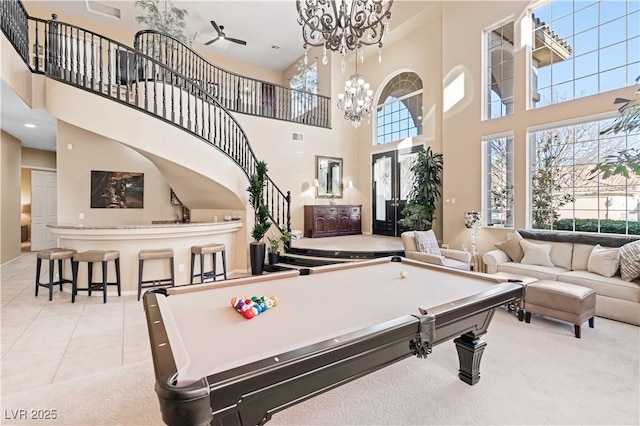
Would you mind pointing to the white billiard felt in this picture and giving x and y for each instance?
(328, 303)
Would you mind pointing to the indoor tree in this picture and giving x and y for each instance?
(419, 212)
(262, 223)
(628, 121)
(163, 16)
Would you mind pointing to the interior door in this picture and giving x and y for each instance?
(43, 209)
(391, 183)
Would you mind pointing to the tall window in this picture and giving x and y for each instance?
(499, 71)
(580, 48)
(305, 85)
(399, 112)
(498, 185)
(567, 194)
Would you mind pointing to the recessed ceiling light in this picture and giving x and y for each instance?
(29, 125)
(275, 47)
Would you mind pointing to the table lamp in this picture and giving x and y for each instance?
(349, 187)
(316, 185)
(472, 221)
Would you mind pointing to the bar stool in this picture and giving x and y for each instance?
(90, 257)
(154, 255)
(59, 254)
(212, 249)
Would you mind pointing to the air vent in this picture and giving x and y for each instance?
(103, 9)
(297, 137)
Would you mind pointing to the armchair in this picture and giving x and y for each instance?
(451, 258)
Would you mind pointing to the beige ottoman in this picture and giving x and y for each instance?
(563, 301)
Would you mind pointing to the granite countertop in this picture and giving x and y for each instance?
(163, 224)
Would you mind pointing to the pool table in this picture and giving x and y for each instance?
(332, 324)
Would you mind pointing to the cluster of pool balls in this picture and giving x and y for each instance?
(250, 307)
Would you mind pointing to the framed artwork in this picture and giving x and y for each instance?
(117, 190)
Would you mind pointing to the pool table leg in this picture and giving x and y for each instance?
(470, 349)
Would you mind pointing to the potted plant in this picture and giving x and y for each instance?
(420, 210)
(274, 245)
(261, 215)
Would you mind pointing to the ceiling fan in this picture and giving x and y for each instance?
(221, 35)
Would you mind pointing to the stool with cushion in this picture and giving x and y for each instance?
(90, 257)
(158, 254)
(567, 302)
(212, 249)
(59, 254)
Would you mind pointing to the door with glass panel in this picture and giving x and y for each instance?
(391, 183)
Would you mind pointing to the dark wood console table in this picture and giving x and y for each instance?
(332, 220)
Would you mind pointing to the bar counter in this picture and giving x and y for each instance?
(130, 239)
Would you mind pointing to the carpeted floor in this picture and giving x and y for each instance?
(534, 373)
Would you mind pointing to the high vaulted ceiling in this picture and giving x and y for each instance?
(261, 23)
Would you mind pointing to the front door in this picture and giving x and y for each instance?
(392, 181)
(43, 209)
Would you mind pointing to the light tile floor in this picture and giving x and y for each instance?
(51, 341)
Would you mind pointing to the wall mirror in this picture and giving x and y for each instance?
(328, 177)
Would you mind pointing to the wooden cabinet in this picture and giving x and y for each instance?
(331, 221)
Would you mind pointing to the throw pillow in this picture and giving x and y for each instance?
(511, 246)
(604, 261)
(536, 254)
(630, 261)
(427, 242)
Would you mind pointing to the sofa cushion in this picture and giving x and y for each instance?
(535, 271)
(613, 287)
(427, 242)
(604, 261)
(511, 246)
(581, 253)
(536, 254)
(630, 261)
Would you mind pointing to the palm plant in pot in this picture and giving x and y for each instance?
(420, 210)
(261, 215)
(275, 243)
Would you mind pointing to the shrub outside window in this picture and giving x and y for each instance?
(567, 193)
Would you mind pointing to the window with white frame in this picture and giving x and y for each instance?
(568, 192)
(580, 48)
(399, 110)
(305, 85)
(499, 71)
(498, 184)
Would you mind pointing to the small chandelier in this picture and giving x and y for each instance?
(356, 99)
(351, 26)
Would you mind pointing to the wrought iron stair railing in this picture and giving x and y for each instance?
(237, 93)
(97, 64)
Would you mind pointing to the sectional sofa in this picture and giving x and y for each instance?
(571, 263)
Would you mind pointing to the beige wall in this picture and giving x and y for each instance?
(94, 152)
(38, 159)
(25, 196)
(9, 197)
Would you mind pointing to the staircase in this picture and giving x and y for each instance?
(104, 67)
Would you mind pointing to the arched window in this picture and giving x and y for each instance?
(399, 111)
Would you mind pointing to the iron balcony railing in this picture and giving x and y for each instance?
(97, 64)
(236, 92)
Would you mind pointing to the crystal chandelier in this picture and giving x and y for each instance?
(350, 26)
(356, 99)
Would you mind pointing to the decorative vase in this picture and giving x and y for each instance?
(274, 258)
(256, 255)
